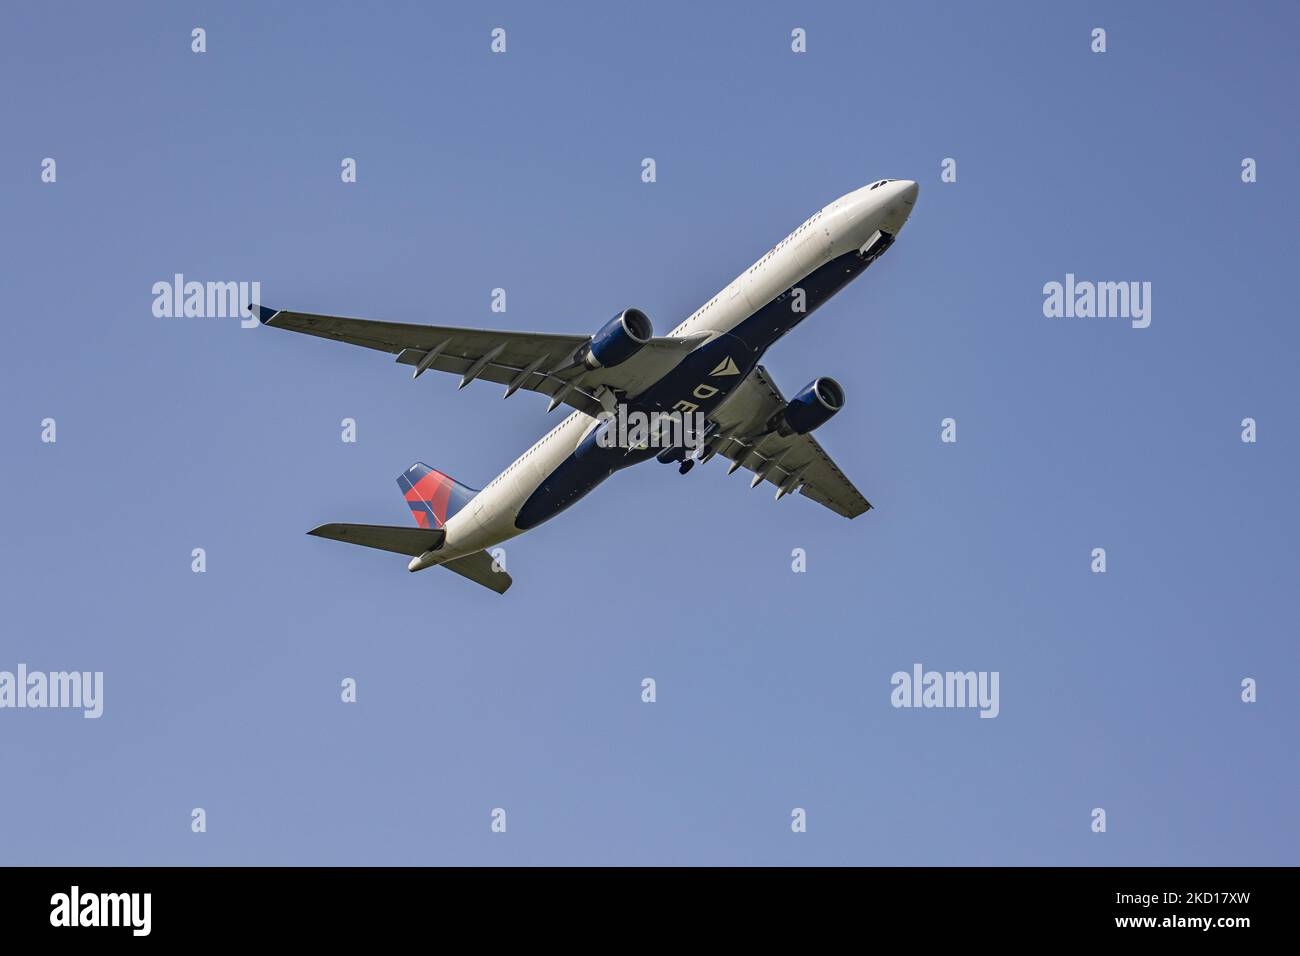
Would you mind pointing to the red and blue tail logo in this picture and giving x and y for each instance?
(432, 496)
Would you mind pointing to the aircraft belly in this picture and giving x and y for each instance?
(573, 479)
(704, 379)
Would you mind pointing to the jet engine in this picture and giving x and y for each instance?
(618, 340)
(811, 408)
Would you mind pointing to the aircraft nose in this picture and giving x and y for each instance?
(897, 204)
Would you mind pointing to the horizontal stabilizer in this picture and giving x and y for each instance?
(412, 541)
(478, 567)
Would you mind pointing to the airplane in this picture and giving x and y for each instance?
(708, 367)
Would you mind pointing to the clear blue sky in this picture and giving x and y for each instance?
(521, 171)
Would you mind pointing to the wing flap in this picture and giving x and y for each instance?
(502, 372)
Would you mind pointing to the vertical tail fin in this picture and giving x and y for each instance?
(432, 496)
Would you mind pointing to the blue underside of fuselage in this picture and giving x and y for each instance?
(592, 463)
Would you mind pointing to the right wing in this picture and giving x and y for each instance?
(534, 361)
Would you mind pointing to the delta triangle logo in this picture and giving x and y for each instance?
(726, 367)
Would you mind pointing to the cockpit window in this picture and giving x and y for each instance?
(877, 185)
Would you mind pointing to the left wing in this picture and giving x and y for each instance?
(790, 463)
(533, 361)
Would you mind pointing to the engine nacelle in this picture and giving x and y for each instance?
(618, 340)
(811, 408)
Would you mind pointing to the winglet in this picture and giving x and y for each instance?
(264, 315)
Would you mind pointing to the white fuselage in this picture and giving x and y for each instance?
(839, 228)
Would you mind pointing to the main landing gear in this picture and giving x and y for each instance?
(677, 454)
